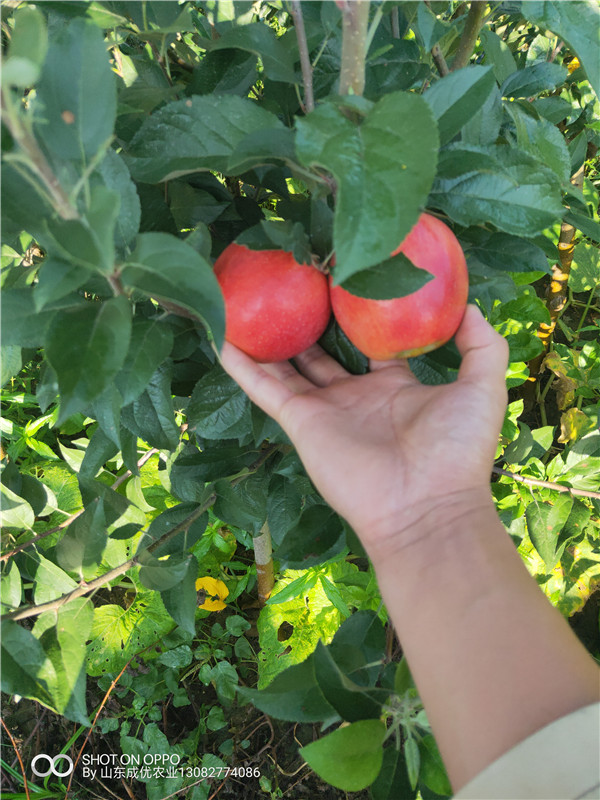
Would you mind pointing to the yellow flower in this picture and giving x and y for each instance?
(212, 592)
(573, 65)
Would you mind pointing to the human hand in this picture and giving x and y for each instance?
(383, 449)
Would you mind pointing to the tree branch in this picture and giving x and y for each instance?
(70, 519)
(86, 588)
(309, 101)
(557, 487)
(469, 34)
(36, 161)
(355, 20)
(439, 60)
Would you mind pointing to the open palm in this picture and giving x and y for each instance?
(382, 448)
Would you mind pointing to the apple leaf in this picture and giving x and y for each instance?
(261, 40)
(200, 133)
(531, 81)
(172, 272)
(394, 277)
(576, 24)
(75, 117)
(349, 758)
(383, 172)
(544, 522)
(501, 185)
(457, 97)
(86, 346)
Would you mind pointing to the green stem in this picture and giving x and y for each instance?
(35, 159)
(585, 312)
(355, 20)
(469, 34)
(309, 102)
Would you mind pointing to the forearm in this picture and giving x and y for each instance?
(493, 661)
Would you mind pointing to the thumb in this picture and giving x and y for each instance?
(484, 352)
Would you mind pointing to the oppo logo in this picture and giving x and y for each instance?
(52, 765)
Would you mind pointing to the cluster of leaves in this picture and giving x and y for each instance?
(139, 139)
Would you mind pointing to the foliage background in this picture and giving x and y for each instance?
(138, 140)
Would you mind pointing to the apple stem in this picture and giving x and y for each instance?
(309, 101)
(263, 558)
(355, 20)
(469, 34)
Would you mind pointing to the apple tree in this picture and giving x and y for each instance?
(140, 139)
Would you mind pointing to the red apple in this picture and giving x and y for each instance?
(421, 321)
(274, 307)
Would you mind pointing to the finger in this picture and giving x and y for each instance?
(403, 370)
(319, 367)
(289, 375)
(484, 352)
(264, 389)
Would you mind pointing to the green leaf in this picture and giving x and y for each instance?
(181, 542)
(86, 347)
(533, 80)
(433, 772)
(403, 680)
(278, 235)
(588, 226)
(172, 272)
(21, 326)
(392, 782)
(501, 251)
(57, 278)
(10, 362)
(27, 51)
(193, 468)
(455, 98)
(317, 536)
(349, 758)
(224, 72)
(293, 695)
(80, 549)
(497, 55)
(150, 344)
(430, 28)
(394, 277)
(200, 133)
(413, 760)
(484, 127)
(10, 586)
(75, 117)
(350, 700)
(500, 185)
(16, 512)
(62, 634)
(219, 408)
(119, 633)
(165, 573)
(113, 174)
(284, 505)
(398, 68)
(585, 268)
(243, 504)
(152, 416)
(261, 40)
(100, 450)
(543, 140)
(544, 523)
(26, 670)
(577, 24)
(50, 581)
(383, 173)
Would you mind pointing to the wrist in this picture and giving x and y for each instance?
(422, 530)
